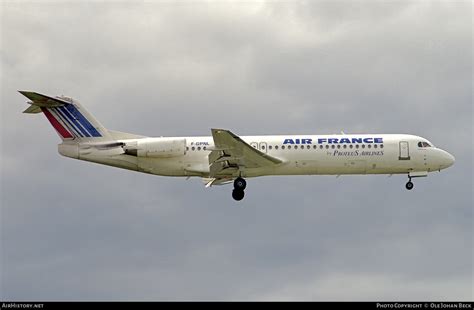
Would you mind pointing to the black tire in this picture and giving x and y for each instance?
(409, 185)
(238, 194)
(240, 183)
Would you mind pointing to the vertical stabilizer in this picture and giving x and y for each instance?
(68, 117)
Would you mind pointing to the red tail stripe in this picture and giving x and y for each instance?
(59, 128)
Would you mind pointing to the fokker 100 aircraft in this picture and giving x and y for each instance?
(225, 157)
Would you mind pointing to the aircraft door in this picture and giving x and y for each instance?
(404, 151)
(263, 147)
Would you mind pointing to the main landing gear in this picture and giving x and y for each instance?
(409, 185)
(239, 185)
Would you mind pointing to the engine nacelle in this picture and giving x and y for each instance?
(157, 147)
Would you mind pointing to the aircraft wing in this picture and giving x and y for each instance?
(232, 155)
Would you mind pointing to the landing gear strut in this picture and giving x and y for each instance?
(409, 185)
(239, 185)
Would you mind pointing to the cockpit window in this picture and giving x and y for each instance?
(423, 144)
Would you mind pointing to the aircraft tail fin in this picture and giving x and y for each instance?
(67, 116)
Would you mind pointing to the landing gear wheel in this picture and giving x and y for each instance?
(409, 185)
(240, 183)
(238, 194)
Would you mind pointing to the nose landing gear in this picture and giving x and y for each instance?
(239, 186)
(414, 174)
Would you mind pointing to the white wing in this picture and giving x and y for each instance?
(231, 155)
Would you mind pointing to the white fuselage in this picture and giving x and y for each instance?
(300, 155)
(225, 157)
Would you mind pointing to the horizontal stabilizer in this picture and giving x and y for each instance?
(33, 109)
(42, 100)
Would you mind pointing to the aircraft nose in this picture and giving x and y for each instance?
(448, 160)
(451, 160)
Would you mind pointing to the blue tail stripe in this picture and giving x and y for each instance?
(67, 122)
(73, 120)
(84, 122)
(92, 130)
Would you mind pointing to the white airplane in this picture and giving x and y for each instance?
(225, 157)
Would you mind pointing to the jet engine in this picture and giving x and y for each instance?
(156, 147)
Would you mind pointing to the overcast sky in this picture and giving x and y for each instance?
(72, 230)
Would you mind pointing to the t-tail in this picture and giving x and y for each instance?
(83, 137)
(70, 120)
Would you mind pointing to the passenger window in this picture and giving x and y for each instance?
(381, 146)
(369, 146)
(338, 146)
(315, 146)
(375, 146)
(302, 147)
(321, 146)
(344, 146)
(283, 147)
(363, 146)
(263, 147)
(269, 147)
(204, 148)
(333, 146)
(199, 148)
(327, 146)
(357, 146)
(187, 148)
(193, 148)
(276, 147)
(351, 146)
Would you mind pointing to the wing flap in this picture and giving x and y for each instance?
(208, 182)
